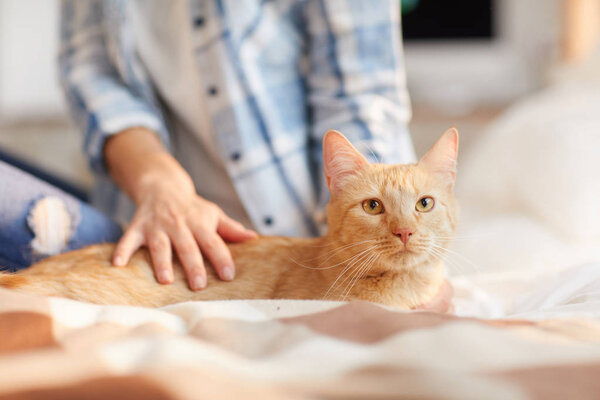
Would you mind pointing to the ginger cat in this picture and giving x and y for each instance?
(388, 227)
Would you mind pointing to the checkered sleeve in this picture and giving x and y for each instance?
(101, 102)
(356, 78)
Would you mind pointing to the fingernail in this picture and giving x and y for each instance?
(118, 261)
(199, 282)
(165, 276)
(228, 273)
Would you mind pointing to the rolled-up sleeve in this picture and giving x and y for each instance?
(356, 80)
(100, 100)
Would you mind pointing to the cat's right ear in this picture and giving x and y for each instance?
(340, 159)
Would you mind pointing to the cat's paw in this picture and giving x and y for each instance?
(442, 301)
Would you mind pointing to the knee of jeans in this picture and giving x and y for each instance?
(52, 225)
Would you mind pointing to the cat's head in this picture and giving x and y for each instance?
(407, 213)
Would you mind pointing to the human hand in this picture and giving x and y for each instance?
(442, 302)
(174, 215)
(169, 213)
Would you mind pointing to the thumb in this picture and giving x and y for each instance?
(128, 244)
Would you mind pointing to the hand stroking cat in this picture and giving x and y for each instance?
(388, 227)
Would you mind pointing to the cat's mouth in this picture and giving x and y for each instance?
(411, 250)
(404, 251)
(401, 252)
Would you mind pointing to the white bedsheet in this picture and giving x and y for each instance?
(572, 292)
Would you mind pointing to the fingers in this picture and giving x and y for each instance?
(190, 258)
(160, 251)
(233, 231)
(192, 227)
(131, 240)
(217, 252)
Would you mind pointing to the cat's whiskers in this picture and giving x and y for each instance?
(347, 269)
(327, 244)
(383, 247)
(351, 262)
(452, 252)
(340, 249)
(463, 236)
(350, 277)
(363, 270)
(440, 256)
(444, 257)
(337, 250)
(430, 249)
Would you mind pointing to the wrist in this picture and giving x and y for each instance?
(161, 174)
(141, 166)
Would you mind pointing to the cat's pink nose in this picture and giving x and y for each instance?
(404, 234)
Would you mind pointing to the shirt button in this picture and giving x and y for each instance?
(236, 156)
(199, 22)
(213, 91)
(268, 221)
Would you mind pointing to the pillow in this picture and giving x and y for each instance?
(541, 158)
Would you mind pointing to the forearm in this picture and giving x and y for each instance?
(102, 100)
(139, 163)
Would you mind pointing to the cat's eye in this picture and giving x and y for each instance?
(425, 204)
(372, 206)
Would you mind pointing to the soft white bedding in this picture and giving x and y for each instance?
(571, 293)
(276, 349)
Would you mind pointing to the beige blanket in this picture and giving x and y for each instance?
(61, 349)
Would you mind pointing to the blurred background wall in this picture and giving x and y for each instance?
(34, 125)
(464, 75)
(28, 48)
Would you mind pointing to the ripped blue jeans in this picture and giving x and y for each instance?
(38, 220)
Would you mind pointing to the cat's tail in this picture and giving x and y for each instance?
(12, 281)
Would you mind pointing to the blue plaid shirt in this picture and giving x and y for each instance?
(287, 71)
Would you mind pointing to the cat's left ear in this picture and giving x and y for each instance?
(441, 158)
(340, 159)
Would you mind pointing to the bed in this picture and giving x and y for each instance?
(525, 266)
(62, 349)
